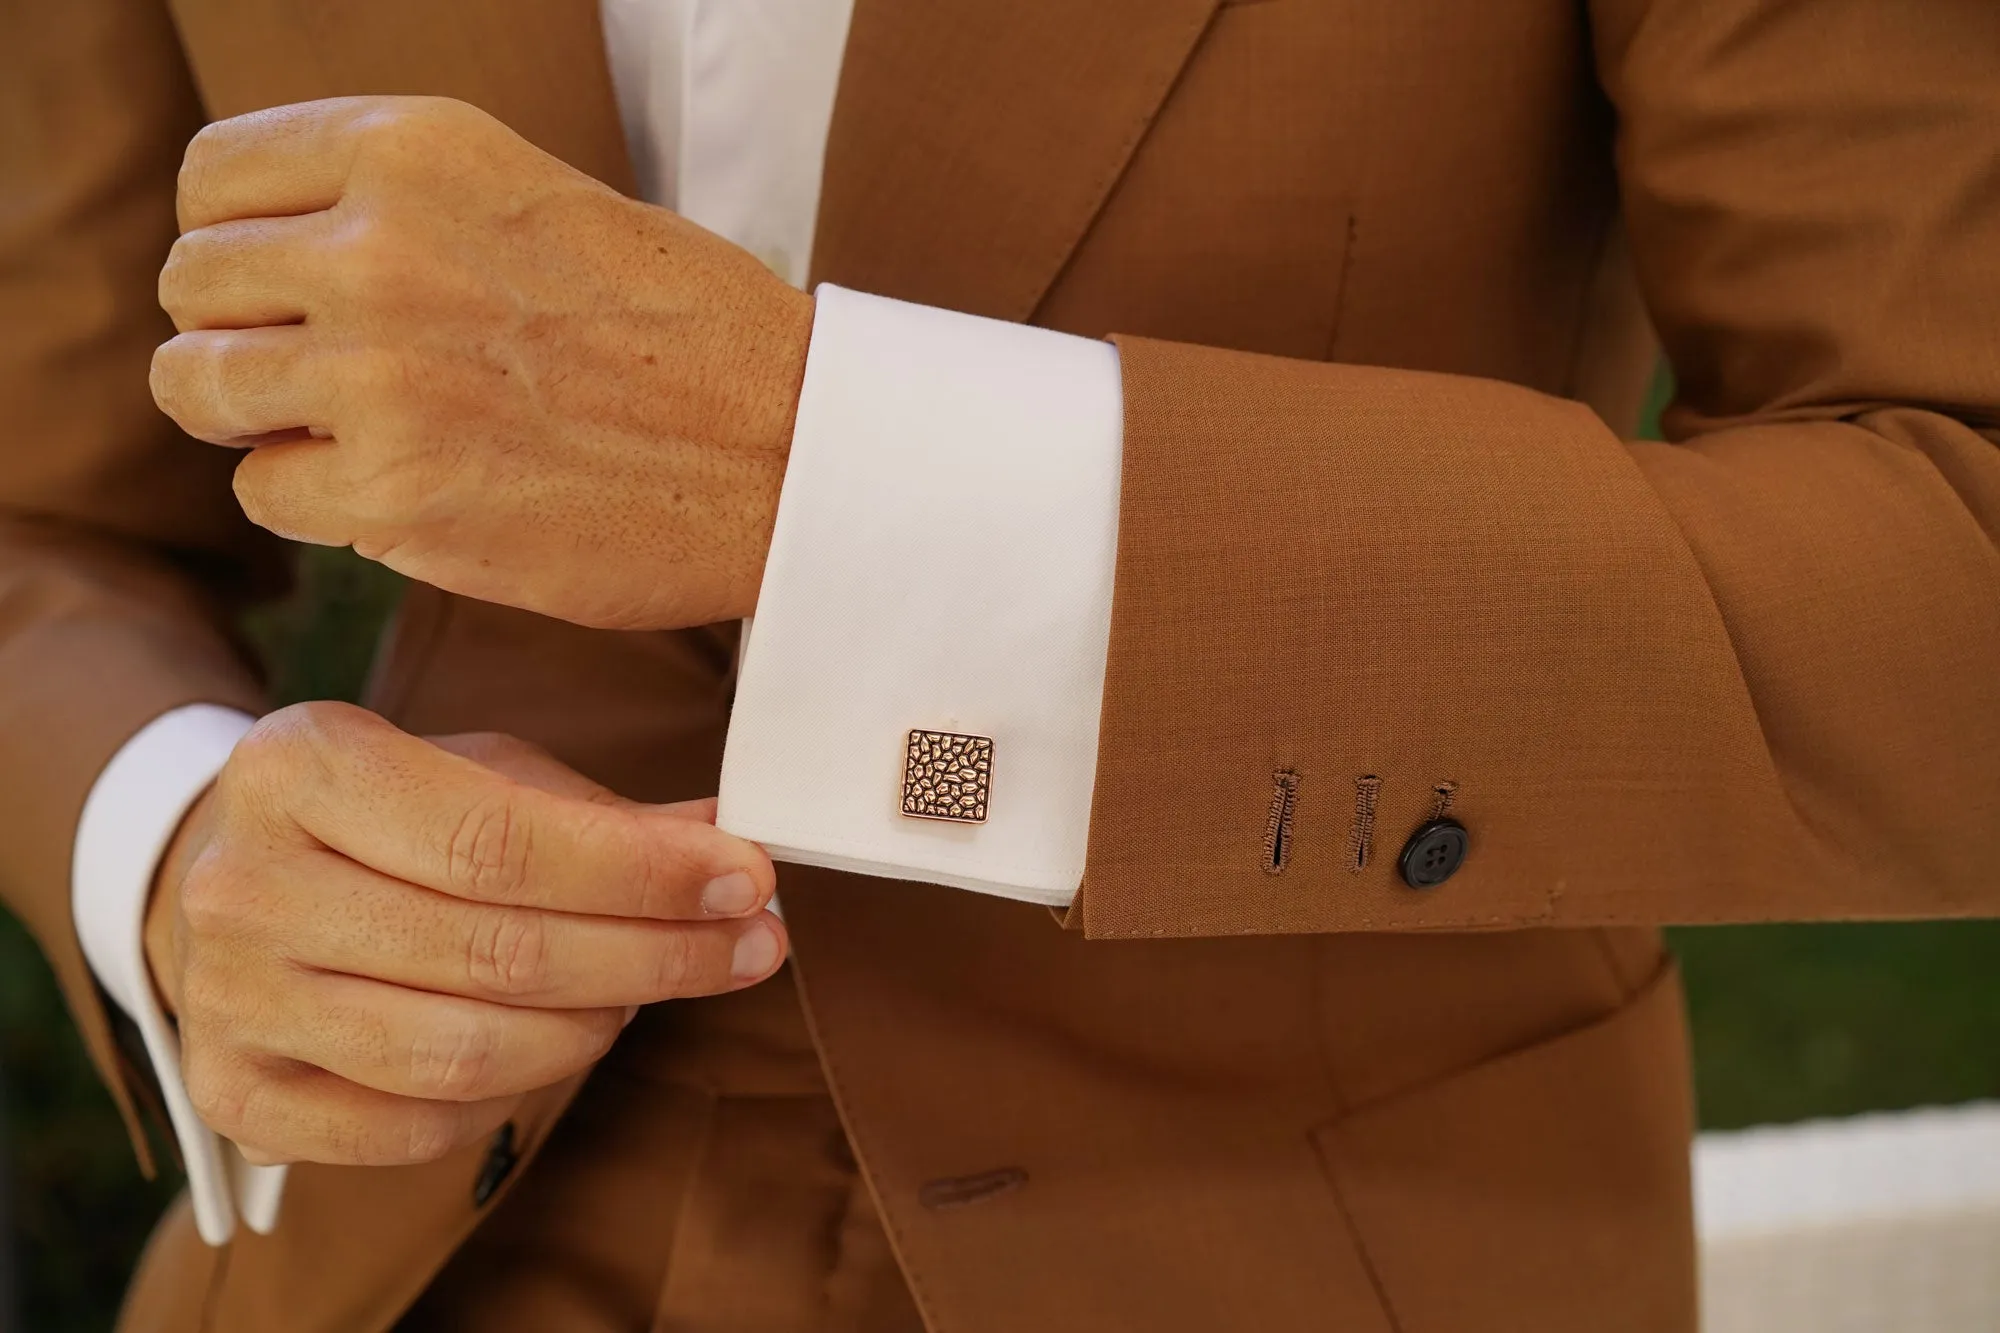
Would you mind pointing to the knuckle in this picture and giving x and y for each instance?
(342, 1135)
(392, 488)
(174, 276)
(663, 872)
(245, 485)
(169, 377)
(211, 1007)
(215, 901)
(287, 759)
(326, 724)
(602, 1028)
(203, 995)
(653, 881)
(674, 965)
(392, 423)
(597, 1033)
(371, 261)
(389, 119)
(456, 1062)
(508, 953)
(429, 1133)
(194, 185)
(482, 745)
(262, 502)
(221, 1096)
(290, 743)
(414, 120)
(380, 547)
(345, 1142)
(374, 373)
(378, 127)
(269, 760)
(488, 853)
(270, 747)
(234, 380)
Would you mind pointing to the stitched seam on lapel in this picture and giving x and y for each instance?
(1357, 1240)
(211, 1299)
(850, 1120)
(1100, 191)
(1627, 986)
(1340, 290)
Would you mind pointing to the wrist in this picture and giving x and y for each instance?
(789, 340)
(161, 932)
(783, 368)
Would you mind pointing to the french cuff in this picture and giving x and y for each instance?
(918, 696)
(129, 818)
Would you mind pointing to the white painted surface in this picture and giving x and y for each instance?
(1878, 1224)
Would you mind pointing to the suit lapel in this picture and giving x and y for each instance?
(974, 140)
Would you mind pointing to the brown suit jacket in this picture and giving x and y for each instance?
(1378, 275)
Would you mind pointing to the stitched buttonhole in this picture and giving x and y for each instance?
(958, 1191)
(1278, 824)
(1442, 805)
(1361, 842)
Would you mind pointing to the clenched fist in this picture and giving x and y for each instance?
(376, 944)
(478, 366)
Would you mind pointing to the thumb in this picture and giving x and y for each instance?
(530, 765)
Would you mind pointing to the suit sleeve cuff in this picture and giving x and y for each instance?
(942, 562)
(129, 818)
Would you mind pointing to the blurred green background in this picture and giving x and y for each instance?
(1790, 1022)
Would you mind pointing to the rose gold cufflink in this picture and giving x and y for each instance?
(947, 776)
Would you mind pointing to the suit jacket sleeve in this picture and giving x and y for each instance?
(121, 546)
(1749, 673)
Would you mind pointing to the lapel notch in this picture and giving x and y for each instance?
(973, 141)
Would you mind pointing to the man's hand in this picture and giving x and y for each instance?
(478, 366)
(376, 944)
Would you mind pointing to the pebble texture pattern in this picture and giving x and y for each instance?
(947, 776)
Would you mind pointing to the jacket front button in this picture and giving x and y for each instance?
(499, 1164)
(1434, 853)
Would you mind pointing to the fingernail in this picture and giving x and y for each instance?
(631, 1012)
(756, 952)
(729, 895)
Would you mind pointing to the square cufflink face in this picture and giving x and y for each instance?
(947, 775)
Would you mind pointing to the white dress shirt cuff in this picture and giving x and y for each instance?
(942, 561)
(129, 818)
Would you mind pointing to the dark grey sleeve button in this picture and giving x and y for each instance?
(501, 1159)
(1434, 853)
